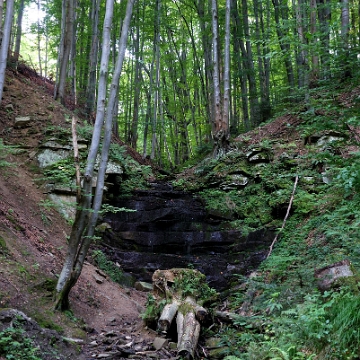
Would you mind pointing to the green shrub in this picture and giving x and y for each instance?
(4, 151)
(107, 266)
(15, 346)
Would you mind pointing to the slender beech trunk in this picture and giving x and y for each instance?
(78, 248)
(93, 58)
(39, 38)
(133, 134)
(314, 39)
(303, 66)
(239, 49)
(155, 82)
(68, 276)
(18, 30)
(1, 19)
(205, 20)
(226, 100)
(4, 50)
(324, 15)
(66, 44)
(282, 34)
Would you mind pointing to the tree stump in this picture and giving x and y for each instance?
(185, 291)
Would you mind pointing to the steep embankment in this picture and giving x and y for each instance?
(33, 237)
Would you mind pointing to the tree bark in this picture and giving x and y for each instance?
(167, 316)
(4, 50)
(18, 31)
(68, 276)
(66, 45)
(78, 244)
(188, 329)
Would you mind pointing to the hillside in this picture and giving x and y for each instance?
(33, 236)
(278, 311)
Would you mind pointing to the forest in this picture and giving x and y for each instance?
(250, 108)
(194, 72)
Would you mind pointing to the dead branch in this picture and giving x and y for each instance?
(286, 216)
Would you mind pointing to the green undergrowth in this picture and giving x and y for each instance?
(284, 314)
(297, 320)
(14, 345)
(5, 150)
(108, 266)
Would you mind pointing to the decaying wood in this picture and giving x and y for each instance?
(167, 316)
(200, 312)
(286, 216)
(188, 328)
(226, 316)
(187, 311)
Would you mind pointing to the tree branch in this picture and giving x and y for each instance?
(286, 216)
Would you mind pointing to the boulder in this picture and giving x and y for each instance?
(48, 156)
(328, 276)
(22, 121)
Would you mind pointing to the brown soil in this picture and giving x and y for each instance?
(33, 237)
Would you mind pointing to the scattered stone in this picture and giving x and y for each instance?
(328, 275)
(22, 121)
(235, 181)
(101, 273)
(9, 107)
(103, 356)
(54, 144)
(143, 286)
(48, 157)
(98, 279)
(72, 340)
(110, 333)
(159, 343)
(112, 321)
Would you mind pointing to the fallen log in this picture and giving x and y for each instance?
(188, 329)
(167, 316)
(200, 312)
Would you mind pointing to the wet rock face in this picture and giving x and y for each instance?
(173, 229)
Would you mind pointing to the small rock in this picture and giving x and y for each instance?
(328, 275)
(143, 286)
(101, 273)
(22, 121)
(138, 347)
(112, 321)
(159, 343)
(98, 279)
(110, 333)
(9, 107)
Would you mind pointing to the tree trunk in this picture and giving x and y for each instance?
(93, 58)
(4, 50)
(155, 80)
(18, 31)
(324, 14)
(280, 17)
(68, 276)
(67, 36)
